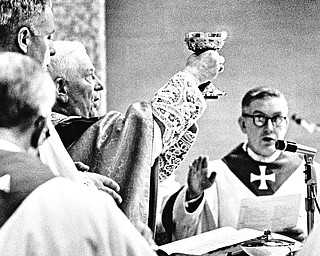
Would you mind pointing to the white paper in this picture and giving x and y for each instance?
(210, 241)
(266, 212)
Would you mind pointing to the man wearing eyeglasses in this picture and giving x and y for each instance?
(211, 199)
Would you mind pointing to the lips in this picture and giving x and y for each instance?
(268, 139)
(95, 102)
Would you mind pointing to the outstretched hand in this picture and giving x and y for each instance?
(198, 179)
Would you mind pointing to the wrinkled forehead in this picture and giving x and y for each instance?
(42, 24)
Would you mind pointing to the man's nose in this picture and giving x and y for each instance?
(98, 85)
(269, 124)
(222, 59)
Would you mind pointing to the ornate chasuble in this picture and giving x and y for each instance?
(120, 147)
(22, 174)
(105, 146)
(262, 178)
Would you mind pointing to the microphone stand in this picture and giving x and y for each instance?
(311, 182)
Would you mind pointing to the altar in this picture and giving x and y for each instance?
(225, 241)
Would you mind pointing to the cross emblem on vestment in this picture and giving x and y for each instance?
(263, 177)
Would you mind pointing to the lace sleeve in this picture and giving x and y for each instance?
(170, 160)
(178, 105)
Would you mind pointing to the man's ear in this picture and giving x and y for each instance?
(39, 126)
(24, 39)
(61, 90)
(242, 124)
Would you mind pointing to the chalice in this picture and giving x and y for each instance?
(267, 245)
(199, 42)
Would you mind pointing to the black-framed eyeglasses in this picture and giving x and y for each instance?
(261, 120)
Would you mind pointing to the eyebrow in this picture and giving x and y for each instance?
(262, 113)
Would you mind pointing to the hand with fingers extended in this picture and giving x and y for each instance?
(198, 179)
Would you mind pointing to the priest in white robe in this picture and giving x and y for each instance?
(254, 169)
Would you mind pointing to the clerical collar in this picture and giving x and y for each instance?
(9, 146)
(263, 159)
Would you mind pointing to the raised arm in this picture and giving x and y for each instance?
(180, 103)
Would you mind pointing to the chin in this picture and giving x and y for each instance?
(268, 151)
(93, 114)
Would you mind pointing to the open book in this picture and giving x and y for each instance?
(214, 240)
(219, 241)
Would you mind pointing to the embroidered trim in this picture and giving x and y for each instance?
(178, 105)
(172, 158)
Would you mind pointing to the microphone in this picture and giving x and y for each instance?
(295, 148)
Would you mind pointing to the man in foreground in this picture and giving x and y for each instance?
(254, 169)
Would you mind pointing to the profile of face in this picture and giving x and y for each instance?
(269, 113)
(82, 86)
(35, 40)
